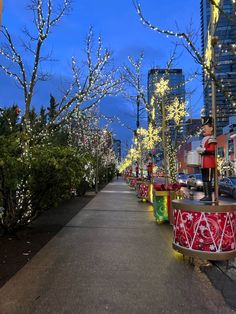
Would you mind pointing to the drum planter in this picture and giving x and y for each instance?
(162, 209)
(205, 231)
(143, 191)
(132, 183)
(139, 182)
(128, 179)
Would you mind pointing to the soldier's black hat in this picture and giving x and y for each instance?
(207, 121)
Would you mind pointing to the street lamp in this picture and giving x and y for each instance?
(212, 44)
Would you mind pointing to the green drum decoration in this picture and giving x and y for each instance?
(160, 205)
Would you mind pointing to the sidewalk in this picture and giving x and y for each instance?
(111, 258)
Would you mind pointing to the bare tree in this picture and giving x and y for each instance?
(45, 18)
(133, 77)
(188, 41)
(91, 82)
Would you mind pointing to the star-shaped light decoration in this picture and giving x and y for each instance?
(150, 136)
(162, 87)
(176, 111)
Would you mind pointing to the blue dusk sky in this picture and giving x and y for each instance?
(122, 32)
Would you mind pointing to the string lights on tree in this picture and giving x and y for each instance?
(189, 44)
(88, 86)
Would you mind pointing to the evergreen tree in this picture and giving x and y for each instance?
(32, 117)
(42, 117)
(52, 108)
(9, 119)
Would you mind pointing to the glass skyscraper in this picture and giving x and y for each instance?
(225, 60)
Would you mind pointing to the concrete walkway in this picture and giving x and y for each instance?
(111, 258)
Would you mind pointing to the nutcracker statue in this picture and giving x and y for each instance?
(208, 162)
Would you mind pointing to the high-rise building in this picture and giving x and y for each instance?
(176, 82)
(225, 60)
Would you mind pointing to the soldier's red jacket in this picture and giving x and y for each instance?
(208, 156)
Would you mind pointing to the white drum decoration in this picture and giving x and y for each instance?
(193, 159)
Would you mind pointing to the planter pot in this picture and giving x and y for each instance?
(132, 183)
(207, 231)
(128, 178)
(143, 190)
(162, 205)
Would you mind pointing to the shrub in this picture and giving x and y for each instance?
(48, 176)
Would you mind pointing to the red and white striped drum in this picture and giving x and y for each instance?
(143, 190)
(207, 231)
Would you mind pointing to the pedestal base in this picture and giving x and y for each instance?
(215, 256)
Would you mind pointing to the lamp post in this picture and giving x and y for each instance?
(213, 92)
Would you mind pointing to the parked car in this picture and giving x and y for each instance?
(228, 186)
(195, 181)
(182, 179)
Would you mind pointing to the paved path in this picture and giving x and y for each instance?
(110, 258)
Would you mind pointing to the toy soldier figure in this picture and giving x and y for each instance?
(208, 162)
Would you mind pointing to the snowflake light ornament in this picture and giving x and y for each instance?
(176, 111)
(162, 87)
(150, 136)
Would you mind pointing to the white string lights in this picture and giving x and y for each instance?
(204, 61)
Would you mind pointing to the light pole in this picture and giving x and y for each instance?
(213, 92)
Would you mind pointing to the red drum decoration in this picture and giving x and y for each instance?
(143, 191)
(133, 182)
(208, 232)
